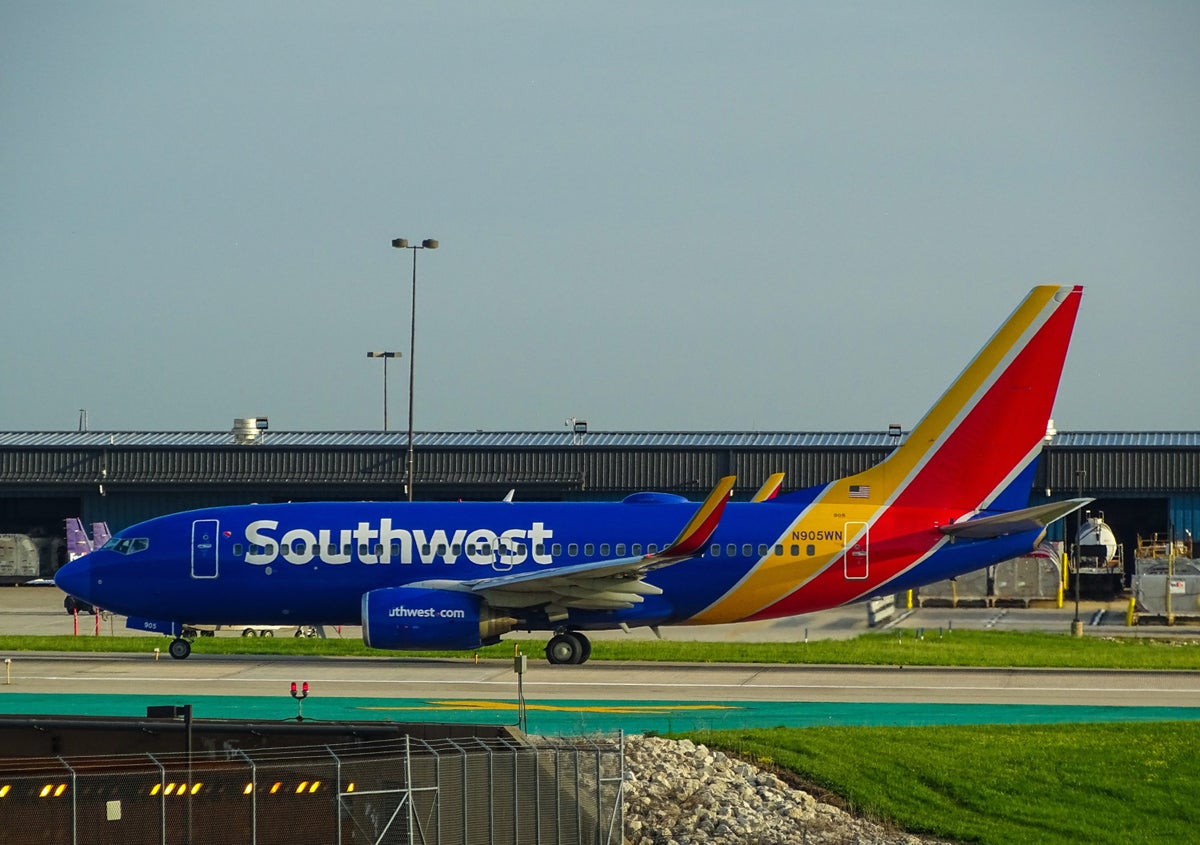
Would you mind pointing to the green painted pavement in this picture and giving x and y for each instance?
(585, 717)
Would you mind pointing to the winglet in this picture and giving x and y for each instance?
(770, 488)
(78, 543)
(701, 526)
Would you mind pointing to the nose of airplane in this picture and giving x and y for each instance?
(75, 578)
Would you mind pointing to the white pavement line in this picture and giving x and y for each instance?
(1008, 688)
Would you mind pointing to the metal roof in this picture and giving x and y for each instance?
(553, 439)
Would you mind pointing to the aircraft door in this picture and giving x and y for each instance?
(857, 557)
(204, 548)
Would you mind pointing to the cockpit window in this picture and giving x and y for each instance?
(127, 545)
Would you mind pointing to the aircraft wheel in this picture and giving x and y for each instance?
(569, 647)
(180, 649)
(248, 632)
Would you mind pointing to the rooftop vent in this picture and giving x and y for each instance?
(248, 430)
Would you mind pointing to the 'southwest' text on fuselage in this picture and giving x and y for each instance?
(383, 544)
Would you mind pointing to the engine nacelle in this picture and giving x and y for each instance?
(414, 618)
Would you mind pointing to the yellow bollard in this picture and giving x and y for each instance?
(1131, 613)
(8, 670)
(908, 600)
(156, 654)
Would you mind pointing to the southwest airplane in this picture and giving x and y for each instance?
(952, 498)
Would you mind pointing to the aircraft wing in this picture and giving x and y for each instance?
(1013, 522)
(605, 584)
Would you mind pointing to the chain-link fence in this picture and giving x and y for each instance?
(475, 790)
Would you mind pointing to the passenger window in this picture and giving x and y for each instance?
(425, 550)
(556, 550)
(298, 547)
(637, 549)
(747, 549)
(572, 549)
(731, 550)
(394, 550)
(470, 550)
(604, 549)
(237, 549)
(795, 550)
(379, 550)
(589, 549)
(812, 550)
(651, 548)
(620, 549)
(715, 549)
(441, 549)
(362, 549)
(540, 549)
(779, 548)
(455, 549)
(762, 549)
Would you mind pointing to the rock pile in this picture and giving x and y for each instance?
(682, 793)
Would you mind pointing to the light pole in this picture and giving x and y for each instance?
(384, 356)
(402, 243)
(1077, 623)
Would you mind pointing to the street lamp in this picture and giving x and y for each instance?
(1077, 623)
(402, 243)
(384, 356)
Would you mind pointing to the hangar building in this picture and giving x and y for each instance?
(1145, 483)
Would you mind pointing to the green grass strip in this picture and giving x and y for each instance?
(1096, 783)
(899, 648)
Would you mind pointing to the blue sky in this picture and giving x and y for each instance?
(654, 216)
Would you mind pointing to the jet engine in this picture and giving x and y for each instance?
(413, 618)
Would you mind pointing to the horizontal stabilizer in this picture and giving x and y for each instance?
(1013, 522)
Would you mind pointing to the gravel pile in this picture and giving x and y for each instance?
(680, 792)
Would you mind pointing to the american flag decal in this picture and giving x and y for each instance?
(860, 491)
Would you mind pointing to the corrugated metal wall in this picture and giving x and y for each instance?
(1108, 471)
(579, 468)
(142, 481)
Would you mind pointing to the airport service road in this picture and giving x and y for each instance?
(39, 611)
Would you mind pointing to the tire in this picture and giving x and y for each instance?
(567, 648)
(247, 632)
(179, 649)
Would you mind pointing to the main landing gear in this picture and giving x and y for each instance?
(568, 647)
